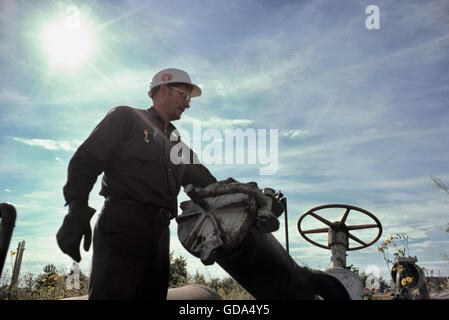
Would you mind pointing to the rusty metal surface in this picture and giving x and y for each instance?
(204, 232)
(222, 214)
(352, 281)
(404, 267)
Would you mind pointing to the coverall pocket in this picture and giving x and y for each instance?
(143, 150)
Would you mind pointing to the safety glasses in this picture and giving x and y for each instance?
(185, 95)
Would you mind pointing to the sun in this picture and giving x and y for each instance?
(67, 45)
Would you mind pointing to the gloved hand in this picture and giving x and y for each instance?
(76, 224)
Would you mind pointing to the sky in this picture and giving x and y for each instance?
(361, 113)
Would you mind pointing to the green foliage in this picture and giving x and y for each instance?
(399, 243)
(178, 275)
(48, 279)
(50, 285)
(229, 289)
(199, 279)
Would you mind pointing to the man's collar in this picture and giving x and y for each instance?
(159, 121)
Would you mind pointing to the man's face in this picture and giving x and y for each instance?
(174, 101)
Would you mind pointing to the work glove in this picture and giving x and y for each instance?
(76, 224)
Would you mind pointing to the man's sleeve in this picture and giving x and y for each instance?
(197, 174)
(93, 155)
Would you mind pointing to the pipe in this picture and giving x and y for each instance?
(8, 220)
(284, 204)
(231, 223)
(264, 268)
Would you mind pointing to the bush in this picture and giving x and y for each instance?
(229, 289)
(51, 284)
(178, 275)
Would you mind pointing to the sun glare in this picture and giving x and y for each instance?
(67, 45)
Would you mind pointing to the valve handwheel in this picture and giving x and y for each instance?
(340, 225)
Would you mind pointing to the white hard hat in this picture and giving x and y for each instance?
(174, 76)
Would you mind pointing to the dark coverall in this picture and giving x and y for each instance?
(140, 183)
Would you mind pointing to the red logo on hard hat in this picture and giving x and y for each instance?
(166, 77)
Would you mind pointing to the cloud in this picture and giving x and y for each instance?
(435, 262)
(14, 105)
(298, 133)
(49, 144)
(216, 122)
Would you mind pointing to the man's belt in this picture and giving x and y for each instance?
(163, 212)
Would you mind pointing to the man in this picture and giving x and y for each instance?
(140, 185)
